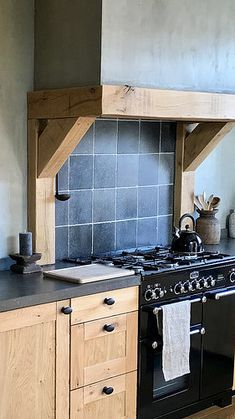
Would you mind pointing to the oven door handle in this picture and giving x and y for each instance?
(156, 308)
(221, 294)
(201, 331)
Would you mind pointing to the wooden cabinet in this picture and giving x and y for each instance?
(34, 367)
(104, 355)
(97, 353)
(51, 369)
(92, 402)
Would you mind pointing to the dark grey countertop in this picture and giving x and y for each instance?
(17, 291)
(226, 246)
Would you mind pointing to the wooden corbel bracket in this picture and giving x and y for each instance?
(191, 151)
(50, 143)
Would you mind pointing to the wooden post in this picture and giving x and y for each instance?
(41, 201)
(184, 181)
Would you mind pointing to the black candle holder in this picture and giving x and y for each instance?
(26, 264)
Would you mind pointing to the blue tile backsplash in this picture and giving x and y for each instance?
(120, 177)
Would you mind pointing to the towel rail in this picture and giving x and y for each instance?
(194, 300)
(202, 331)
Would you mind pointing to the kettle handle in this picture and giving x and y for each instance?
(186, 216)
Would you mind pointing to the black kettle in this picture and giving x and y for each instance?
(186, 241)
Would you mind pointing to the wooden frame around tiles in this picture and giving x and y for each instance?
(58, 120)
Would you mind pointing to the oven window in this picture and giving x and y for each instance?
(162, 388)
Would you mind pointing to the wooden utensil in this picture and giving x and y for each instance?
(209, 201)
(197, 203)
(202, 201)
(215, 202)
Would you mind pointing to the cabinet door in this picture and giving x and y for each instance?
(91, 402)
(33, 355)
(103, 348)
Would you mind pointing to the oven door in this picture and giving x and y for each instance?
(218, 342)
(157, 396)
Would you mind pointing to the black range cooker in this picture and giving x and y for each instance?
(208, 281)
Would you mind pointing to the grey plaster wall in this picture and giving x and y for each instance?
(179, 44)
(67, 43)
(16, 78)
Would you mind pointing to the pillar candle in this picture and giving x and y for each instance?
(26, 246)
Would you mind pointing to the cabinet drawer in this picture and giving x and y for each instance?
(97, 353)
(104, 304)
(91, 402)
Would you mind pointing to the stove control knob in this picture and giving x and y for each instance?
(195, 284)
(148, 295)
(232, 276)
(211, 281)
(188, 287)
(158, 293)
(202, 283)
(179, 288)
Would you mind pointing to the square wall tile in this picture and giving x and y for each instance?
(165, 230)
(61, 243)
(126, 203)
(148, 169)
(104, 205)
(147, 201)
(168, 137)
(166, 169)
(149, 137)
(128, 137)
(104, 238)
(165, 199)
(80, 207)
(147, 232)
(127, 170)
(63, 177)
(126, 234)
(105, 171)
(105, 137)
(86, 144)
(81, 172)
(80, 241)
(61, 213)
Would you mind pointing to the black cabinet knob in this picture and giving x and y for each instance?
(109, 301)
(108, 390)
(67, 310)
(109, 327)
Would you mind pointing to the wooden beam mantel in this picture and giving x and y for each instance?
(58, 120)
(131, 102)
